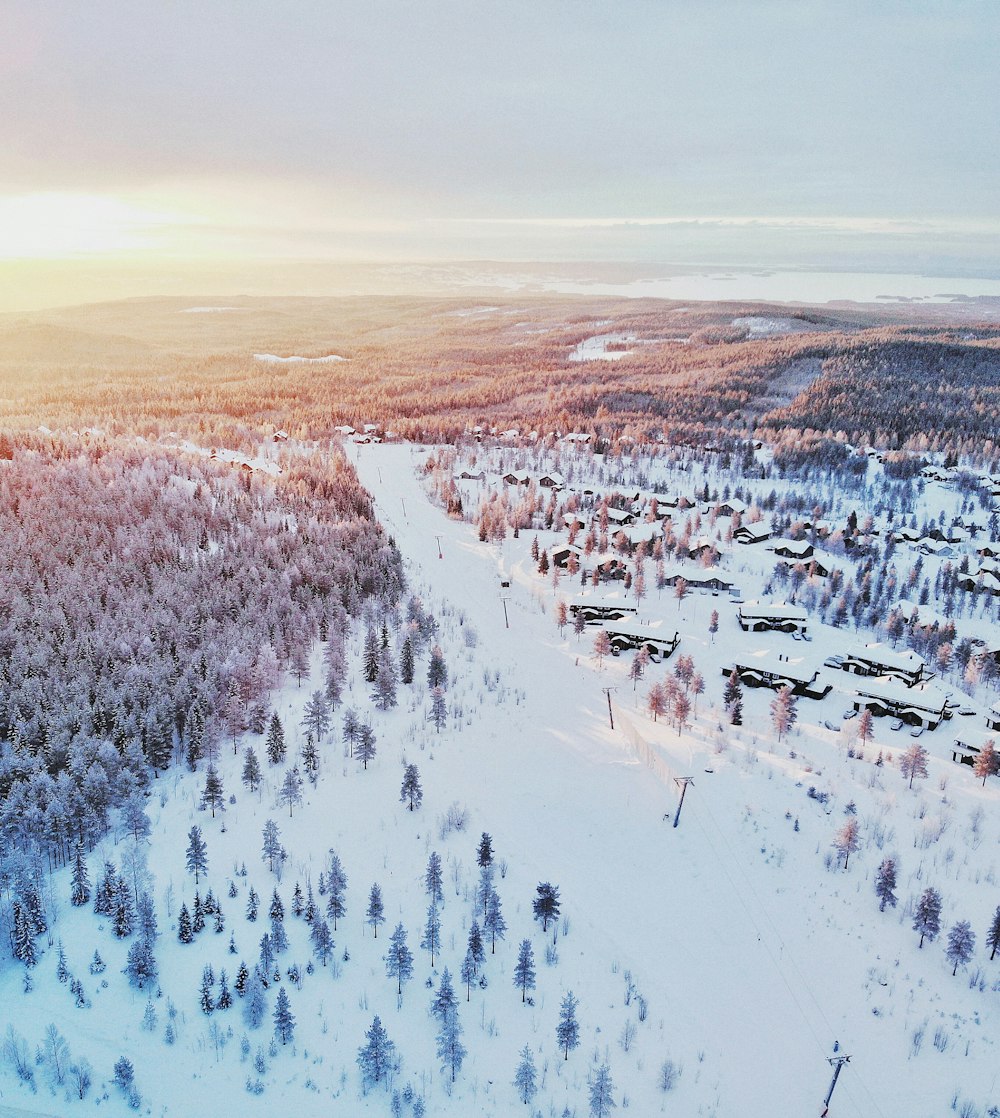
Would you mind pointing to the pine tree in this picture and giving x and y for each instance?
(206, 1000)
(375, 913)
(370, 655)
(885, 884)
(366, 744)
(399, 959)
(225, 998)
(406, 663)
(197, 854)
(987, 761)
(310, 760)
(411, 793)
(184, 932)
(385, 681)
(545, 906)
(279, 940)
(271, 851)
(568, 1029)
(434, 878)
(732, 698)
(846, 840)
(524, 969)
(993, 935)
(124, 917)
(475, 946)
(24, 937)
(316, 717)
(525, 1077)
(275, 742)
(336, 884)
(212, 795)
(322, 940)
(468, 972)
(198, 915)
(290, 792)
(141, 966)
(913, 762)
(107, 891)
(439, 709)
(352, 727)
(80, 886)
(62, 969)
(437, 673)
(253, 904)
(783, 711)
(277, 909)
(961, 944)
(484, 852)
(284, 1022)
(450, 1049)
(601, 1087)
(444, 999)
(254, 1003)
(927, 920)
(375, 1058)
(432, 932)
(494, 925)
(242, 977)
(252, 776)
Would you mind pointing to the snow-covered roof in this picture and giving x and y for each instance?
(769, 660)
(902, 659)
(924, 696)
(776, 610)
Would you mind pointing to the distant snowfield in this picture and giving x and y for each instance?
(761, 327)
(596, 348)
(273, 359)
(212, 310)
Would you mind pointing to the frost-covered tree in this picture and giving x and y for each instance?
(411, 793)
(399, 959)
(275, 742)
(284, 1021)
(484, 852)
(252, 776)
(601, 647)
(993, 935)
(475, 946)
(783, 712)
(432, 932)
(184, 930)
(369, 657)
(271, 852)
(444, 999)
(385, 681)
(322, 940)
(254, 1002)
(375, 913)
(494, 924)
(366, 744)
(927, 920)
(468, 973)
(439, 709)
(310, 760)
(601, 1093)
(213, 794)
(80, 885)
(545, 906)
(290, 792)
(206, 1000)
(141, 966)
(961, 944)
(987, 762)
(24, 937)
(406, 662)
(525, 1078)
(197, 854)
(913, 762)
(451, 1052)
(568, 1029)
(434, 878)
(336, 884)
(376, 1056)
(885, 884)
(524, 969)
(437, 672)
(846, 840)
(316, 717)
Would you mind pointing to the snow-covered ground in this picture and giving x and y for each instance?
(272, 359)
(598, 348)
(752, 951)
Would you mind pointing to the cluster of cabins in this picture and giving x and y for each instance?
(624, 631)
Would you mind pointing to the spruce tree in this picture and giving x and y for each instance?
(366, 744)
(213, 795)
(434, 878)
(468, 972)
(927, 920)
(336, 884)
(484, 852)
(437, 673)
(310, 760)
(322, 940)
(290, 792)
(284, 1022)
(375, 913)
(252, 776)
(399, 959)
(271, 850)
(444, 999)
(406, 664)
(961, 944)
(369, 656)
(80, 885)
(993, 935)
(450, 1049)
(411, 793)
(885, 884)
(601, 1099)
(275, 742)
(253, 904)
(568, 1029)
(184, 932)
(524, 969)
(385, 681)
(432, 932)
(525, 1077)
(545, 906)
(375, 1058)
(206, 1000)
(197, 854)
(254, 1003)
(225, 998)
(494, 925)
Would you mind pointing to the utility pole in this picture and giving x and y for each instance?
(837, 1062)
(683, 781)
(505, 598)
(611, 718)
(440, 555)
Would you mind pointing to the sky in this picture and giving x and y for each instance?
(762, 132)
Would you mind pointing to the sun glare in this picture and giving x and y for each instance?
(57, 225)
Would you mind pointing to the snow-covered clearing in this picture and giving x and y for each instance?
(603, 347)
(272, 359)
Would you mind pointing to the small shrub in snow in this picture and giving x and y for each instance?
(669, 1074)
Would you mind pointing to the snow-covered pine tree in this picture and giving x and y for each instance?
(225, 998)
(846, 840)
(524, 969)
(206, 1001)
(961, 944)
(184, 931)
(252, 776)
(375, 913)
(310, 760)
(987, 761)
(322, 940)
(366, 744)
(468, 972)
(284, 1021)
(316, 717)
(253, 904)
(271, 850)
(434, 878)
(399, 959)
(913, 762)
(336, 884)
(885, 884)
(275, 741)
(545, 906)
(196, 858)
(290, 792)
(406, 662)
(254, 1003)
(732, 698)
(376, 1056)
(213, 794)
(411, 793)
(385, 681)
(80, 885)
(444, 999)
(439, 709)
(601, 1093)
(783, 712)
(437, 673)
(484, 852)
(451, 1052)
(141, 965)
(568, 1029)
(927, 920)
(525, 1078)
(432, 932)
(993, 935)
(494, 925)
